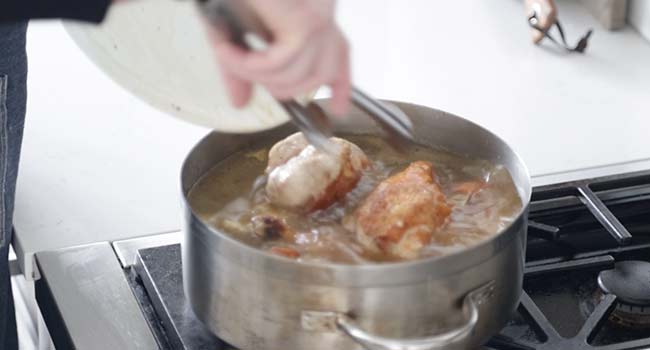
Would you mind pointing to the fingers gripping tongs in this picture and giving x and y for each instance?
(233, 18)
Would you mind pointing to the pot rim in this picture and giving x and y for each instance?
(497, 241)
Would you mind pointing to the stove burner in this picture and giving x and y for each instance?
(629, 281)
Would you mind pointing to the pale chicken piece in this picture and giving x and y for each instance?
(286, 149)
(300, 177)
(403, 213)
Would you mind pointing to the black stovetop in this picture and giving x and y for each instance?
(576, 230)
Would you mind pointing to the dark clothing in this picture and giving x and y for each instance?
(13, 96)
(84, 10)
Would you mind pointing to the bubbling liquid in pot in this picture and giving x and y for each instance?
(483, 197)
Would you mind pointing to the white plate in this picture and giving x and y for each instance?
(159, 51)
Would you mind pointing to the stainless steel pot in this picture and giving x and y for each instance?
(258, 301)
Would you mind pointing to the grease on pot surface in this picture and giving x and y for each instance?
(482, 197)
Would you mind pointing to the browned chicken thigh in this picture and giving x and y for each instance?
(401, 215)
(302, 178)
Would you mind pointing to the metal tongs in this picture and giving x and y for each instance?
(234, 18)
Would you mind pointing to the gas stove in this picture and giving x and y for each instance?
(587, 277)
(586, 284)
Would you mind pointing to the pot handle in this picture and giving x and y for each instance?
(316, 320)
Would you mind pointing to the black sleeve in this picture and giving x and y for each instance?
(83, 10)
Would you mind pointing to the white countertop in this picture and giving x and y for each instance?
(99, 165)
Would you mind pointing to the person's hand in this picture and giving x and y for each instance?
(308, 51)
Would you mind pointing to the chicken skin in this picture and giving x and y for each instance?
(302, 178)
(401, 215)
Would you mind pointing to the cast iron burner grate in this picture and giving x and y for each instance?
(589, 335)
(576, 231)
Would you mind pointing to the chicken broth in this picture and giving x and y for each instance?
(482, 197)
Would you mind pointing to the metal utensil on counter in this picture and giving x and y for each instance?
(234, 18)
(536, 12)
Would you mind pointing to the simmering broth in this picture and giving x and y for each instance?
(483, 197)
